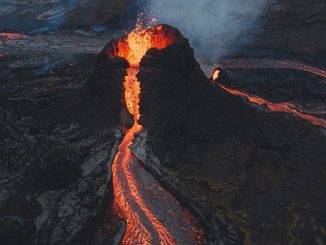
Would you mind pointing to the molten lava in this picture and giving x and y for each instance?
(278, 107)
(136, 44)
(143, 227)
(132, 92)
(216, 74)
(248, 63)
(12, 36)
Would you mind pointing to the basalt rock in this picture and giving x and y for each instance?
(57, 143)
(258, 170)
(13, 230)
(295, 26)
(69, 212)
(39, 16)
(279, 85)
(105, 89)
(118, 234)
(127, 119)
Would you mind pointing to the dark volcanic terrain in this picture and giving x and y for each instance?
(260, 171)
(250, 176)
(295, 26)
(59, 134)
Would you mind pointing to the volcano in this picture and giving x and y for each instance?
(146, 149)
(213, 151)
(131, 199)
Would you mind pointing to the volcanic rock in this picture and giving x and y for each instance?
(39, 16)
(250, 168)
(127, 119)
(59, 167)
(57, 144)
(279, 85)
(118, 234)
(295, 26)
(13, 230)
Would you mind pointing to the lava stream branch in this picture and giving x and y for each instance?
(278, 107)
(285, 107)
(248, 63)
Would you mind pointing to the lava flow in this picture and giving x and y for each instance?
(248, 63)
(153, 215)
(12, 36)
(285, 107)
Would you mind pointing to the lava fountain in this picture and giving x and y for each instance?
(153, 216)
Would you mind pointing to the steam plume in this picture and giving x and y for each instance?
(215, 27)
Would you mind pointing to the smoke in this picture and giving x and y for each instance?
(216, 28)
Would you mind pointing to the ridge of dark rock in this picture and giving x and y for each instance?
(251, 168)
(57, 144)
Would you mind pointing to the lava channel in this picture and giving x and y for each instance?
(285, 107)
(153, 215)
(252, 63)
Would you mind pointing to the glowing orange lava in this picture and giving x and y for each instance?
(136, 44)
(215, 74)
(12, 36)
(278, 107)
(142, 225)
(248, 63)
(132, 91)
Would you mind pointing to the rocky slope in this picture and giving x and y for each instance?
(59, 134)
(305, 90)
(39, 16)
(295, 26)
(254, 174)
(260, 171)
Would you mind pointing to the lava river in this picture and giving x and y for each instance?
(285, 107)
(153, 215)
(248, 63)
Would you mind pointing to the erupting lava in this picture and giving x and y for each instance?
(136, 44)
(143, 225)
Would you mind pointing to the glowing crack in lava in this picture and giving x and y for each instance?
(285, 107)
(153, 215)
